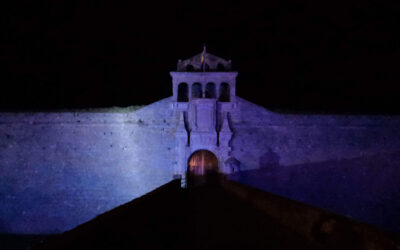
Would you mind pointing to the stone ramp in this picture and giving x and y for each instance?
(206, 217)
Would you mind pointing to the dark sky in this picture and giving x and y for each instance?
(291, 55)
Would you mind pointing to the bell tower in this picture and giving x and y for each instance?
(203, 97)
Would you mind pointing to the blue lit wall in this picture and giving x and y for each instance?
(58, 170)
(363, 188)
(345, 164)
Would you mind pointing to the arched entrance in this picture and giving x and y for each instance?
(202, 168)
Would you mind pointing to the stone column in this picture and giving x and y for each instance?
(174, 91)
(232, 88)
(217, 86)
(190, 91)
(182, 144)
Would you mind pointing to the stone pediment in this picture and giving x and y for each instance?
(211, 63)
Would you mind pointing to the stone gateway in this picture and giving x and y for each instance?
(60, 169)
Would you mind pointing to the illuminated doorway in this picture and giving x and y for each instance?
(202, 168)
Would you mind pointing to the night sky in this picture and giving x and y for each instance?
(297, 56)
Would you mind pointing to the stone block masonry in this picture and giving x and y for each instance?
(58, 170)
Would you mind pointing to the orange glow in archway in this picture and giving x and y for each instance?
(201, 162)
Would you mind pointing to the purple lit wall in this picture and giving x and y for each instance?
(58, 170)
(345, 164)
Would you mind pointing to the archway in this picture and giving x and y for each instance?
(183, 92)
(224, 92)
(220, 67)
(189, 68)
(210, 90)
(202, 168)
(197, 90)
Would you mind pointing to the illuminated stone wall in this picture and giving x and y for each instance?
(297, 139)
(58, 170)
(344, 164)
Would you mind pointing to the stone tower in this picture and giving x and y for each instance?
(203, 97)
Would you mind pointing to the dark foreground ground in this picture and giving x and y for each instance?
(206, 217)
(174, 218)
(20, 242)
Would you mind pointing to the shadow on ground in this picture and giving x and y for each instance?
(205, 217)
(216, 215)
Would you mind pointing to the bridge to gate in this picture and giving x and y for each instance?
(220, 214)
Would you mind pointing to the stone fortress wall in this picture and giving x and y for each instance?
(58, 170)
(299, 139)
(347, 164)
